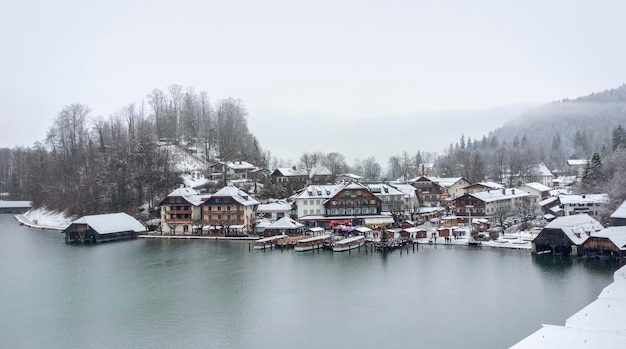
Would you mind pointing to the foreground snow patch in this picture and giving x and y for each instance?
(44, 218)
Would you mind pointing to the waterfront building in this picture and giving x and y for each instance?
(274, 211)
(591, 204)
(180, 209)
(438, 191)
(103, 228)
(609, 243)
(565, 235)
(229, 211)
(492, 204)
(619, 216)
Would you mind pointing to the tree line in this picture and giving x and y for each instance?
(90, 164)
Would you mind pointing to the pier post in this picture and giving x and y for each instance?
(248, 246)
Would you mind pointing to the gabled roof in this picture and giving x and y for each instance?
(620, 212)
(317, 191)
(577, 162)
(584, 199)
(191, 195)
(538, 186)
(285, 223)
(290, 172)
(446, 181)
(111, 223)
(497, 195)
(239, 195)
(580, 224)
(617, 235)
(407, 189)
(542, 170)
(548, 201)
(279, 206)
(240, 165)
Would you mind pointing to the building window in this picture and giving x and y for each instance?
(347, 193)
(227, 208)
(305, 202)
(306, 212)
(219, 208)
(359, 192)
(333, 211)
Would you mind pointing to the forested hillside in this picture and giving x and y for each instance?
(552, 134)
(89, 164)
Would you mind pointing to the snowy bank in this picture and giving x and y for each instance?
(601, 324)
(45, 219)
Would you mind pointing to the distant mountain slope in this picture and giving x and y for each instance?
(593, 117)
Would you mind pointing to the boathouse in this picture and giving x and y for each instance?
(565, 235)
(15, 206)
(102, 228)
(619, 216)
(609, 243)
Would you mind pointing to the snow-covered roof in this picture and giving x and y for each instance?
(240, 165)
(407, 189)
(577, 162)
(385, 189)
(497, 195)
(584, 199)
(317, 191)
(620, 212)
(617, 235)
(363, 230)
(280, 206)
(285, 223)
(111, 223)
(538, 186)
(542, 170)
(292, 172)
(492, 185)
(350, 175)
(445, 181)
(15, 204)
(191, 195)
(239, 195)
(548, 201)
(576, 227)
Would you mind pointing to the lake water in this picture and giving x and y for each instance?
(150, 293)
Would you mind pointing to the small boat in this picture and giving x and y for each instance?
(268, 242)
(311, 243)
(349, 243)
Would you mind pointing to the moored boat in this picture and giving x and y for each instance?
(349, 243)
(268, 242)
(311, 243)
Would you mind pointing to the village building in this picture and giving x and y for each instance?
(284, 226)
(541, 174)
(274, 211)
(565, 235)
(229, 211)
(576, 167)
(609, 243)
(536, 189)
(411, 203)
(438, 191)
(482, 186)
(235, 170)
(551, 208)
(492, 204)
(103, 228)
(318, 174)
(345, 203)
(592, 204)
(15, 206)
(179, 210)
(348, 177)
(618, 218)
(392, 199)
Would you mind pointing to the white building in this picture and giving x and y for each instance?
(591, 204)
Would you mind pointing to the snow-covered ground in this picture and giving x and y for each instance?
(45, 219)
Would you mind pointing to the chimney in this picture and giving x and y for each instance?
(503, 191)
(513, 191)
(423, 170)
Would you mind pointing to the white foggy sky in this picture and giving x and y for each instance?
(310, 69)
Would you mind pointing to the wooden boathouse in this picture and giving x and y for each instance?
(15, 206)
(565, 235)
(609, 243)
(103, 228)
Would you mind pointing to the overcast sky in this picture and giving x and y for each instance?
(306, 72)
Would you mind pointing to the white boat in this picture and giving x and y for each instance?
(311, 243)
(349, 243)
(268, 242)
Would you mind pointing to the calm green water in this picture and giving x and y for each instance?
(217, 294)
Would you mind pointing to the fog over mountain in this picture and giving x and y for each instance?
(287, 138)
